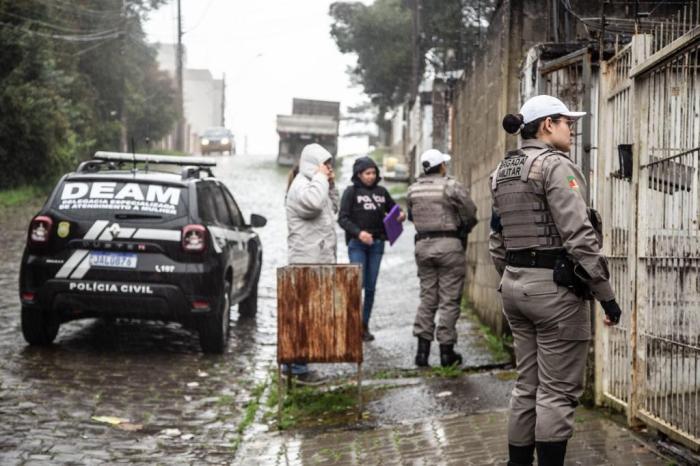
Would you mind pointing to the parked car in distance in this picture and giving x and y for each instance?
(217, 139)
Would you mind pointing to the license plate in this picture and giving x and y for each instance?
(119, 260)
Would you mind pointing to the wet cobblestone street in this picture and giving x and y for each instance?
(135, 392)
(182, 406)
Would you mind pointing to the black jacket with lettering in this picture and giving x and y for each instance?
(364, 207)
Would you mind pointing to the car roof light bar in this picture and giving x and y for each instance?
(153, 158)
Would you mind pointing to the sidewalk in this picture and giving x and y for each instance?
(411, 416)
(477, 439)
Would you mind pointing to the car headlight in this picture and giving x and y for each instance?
(205, 142)
(224, 141)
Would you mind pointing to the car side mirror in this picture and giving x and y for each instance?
(257, 221)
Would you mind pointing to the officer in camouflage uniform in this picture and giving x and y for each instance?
(546, 245)
(443, 214)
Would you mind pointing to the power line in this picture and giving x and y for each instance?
(85, 9)
(201, 18)
(77, 9)
(50, 25)
(92, 47)
(69, 38)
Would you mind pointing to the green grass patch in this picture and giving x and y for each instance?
(450, 372)
(388, 374)
(306, 406)
(426, 373)
(22, 195)
(252, 407)
(251, 410)
(506, 375)
(497, 345)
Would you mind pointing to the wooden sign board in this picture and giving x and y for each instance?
(319, 313)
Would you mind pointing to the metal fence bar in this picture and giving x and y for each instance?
(669, 244)
(616, 202)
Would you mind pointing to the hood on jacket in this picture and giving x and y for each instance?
(361, 164)
(312, 156)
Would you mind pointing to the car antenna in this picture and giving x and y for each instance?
(133, 154)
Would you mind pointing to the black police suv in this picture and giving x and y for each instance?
(114, 240)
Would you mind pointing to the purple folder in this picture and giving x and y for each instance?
(392, 226)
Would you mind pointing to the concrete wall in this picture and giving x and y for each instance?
(488, 90)
(203, 100)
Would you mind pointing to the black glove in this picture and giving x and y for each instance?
(612, 310)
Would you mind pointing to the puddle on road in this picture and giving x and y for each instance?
(149, 373)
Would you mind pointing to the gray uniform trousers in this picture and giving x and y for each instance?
(551, 331)
(441, 270)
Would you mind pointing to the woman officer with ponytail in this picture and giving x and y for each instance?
(548, 253)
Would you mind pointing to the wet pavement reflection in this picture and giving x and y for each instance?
(181, 406)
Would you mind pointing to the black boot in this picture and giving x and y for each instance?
(423, 352)
(551, 453)
(520, 456)
(448, 356)
(366, 334)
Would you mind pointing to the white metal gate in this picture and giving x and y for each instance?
(570, 79)
(650, 116)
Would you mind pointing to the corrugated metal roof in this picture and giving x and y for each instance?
(307, 124)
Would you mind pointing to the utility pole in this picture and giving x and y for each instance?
(180, 129)
(601, 39)
(415, 81)
(223, 100)
(415, 45)
(123, 144)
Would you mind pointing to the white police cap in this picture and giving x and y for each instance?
(546, 105)
(434, 158)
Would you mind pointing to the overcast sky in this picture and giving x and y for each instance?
(270, 50)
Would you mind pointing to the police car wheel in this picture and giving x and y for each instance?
(249, 306)
(38, 327)
(214, 332)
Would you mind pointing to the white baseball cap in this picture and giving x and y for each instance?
(545, 105)
(434, 157)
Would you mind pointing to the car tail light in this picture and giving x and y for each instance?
(40, 230)
(27, 297)
(200, 305)
(194, 238)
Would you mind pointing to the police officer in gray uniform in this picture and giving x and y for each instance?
(443, 214)
(546, 244)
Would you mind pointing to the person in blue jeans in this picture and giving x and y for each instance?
(362, 210)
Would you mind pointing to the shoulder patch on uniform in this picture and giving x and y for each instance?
(572, 182)
(511, 168)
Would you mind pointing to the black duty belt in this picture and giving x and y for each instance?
(436, 234)
(533, 258)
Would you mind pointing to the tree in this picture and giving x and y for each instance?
(35, 129)
(381, 36)
(72, 73)
(451, 31)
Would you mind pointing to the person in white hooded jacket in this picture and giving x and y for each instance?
(312, 204)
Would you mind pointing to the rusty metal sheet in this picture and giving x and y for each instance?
(319, 313)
